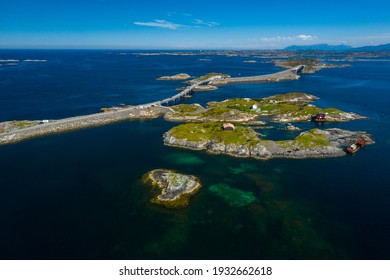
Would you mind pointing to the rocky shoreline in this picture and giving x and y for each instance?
(281, 108)
(315, 143)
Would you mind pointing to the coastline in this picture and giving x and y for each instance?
(66, 124)
(98, 119)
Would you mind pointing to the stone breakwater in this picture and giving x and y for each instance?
(79, 122)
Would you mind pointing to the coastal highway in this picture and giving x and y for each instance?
(73, 123)
(286, 75)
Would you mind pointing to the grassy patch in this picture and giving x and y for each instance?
(308, 62)
(287, 97)
(186, 108)
(22, 124)
(312, 138)
(213, 131)
(208, 76)
(241, 104)
(216, 111)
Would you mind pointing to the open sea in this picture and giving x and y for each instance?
(79, 195)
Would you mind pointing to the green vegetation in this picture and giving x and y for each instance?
(242, 135)
(241, 104)
(232, 196)
(187, 108)
(311, 64)
(208, 76)
(173, 190)
(213, 113)
(312, 138)
(213, 131)
(23, 124)
(293, 106)
(291, 97)
(216, 111)
(313, 110)
(308, 62)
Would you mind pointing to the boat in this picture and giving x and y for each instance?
(353, 148)
(319, 118)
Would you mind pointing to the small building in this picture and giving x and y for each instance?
(319, 118)
(254, 107)
(228, 126)
(44, 121)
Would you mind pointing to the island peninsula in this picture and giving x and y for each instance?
(243, 141)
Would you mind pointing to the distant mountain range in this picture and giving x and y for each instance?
(327, 47)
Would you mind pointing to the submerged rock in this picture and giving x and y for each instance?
(183, 159)
(175, 188)
(232, 196)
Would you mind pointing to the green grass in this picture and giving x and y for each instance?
(216, 111)
(22, 124)
(286, 97)
(312, 138)
(213, 131)
(210, 75)
(240, 104)
(186, 108)
(282, 105)
(300, 61)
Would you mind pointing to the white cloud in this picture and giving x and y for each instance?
(161, 23)
(206, 23)
(306, 37)
(277, 39)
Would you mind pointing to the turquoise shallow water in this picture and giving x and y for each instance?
(78, 195)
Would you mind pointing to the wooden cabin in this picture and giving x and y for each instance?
(228, 126)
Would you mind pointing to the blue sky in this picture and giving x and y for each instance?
(174, 24)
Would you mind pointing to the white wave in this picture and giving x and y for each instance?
(9, 60)
(35, 60)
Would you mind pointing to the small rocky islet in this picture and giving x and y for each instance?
(175, 189)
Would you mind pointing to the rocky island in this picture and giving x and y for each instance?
(174, 189)
(312, 65)
(177, 77)
(281, 108)
(243, 141)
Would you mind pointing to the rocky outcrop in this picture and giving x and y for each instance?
(205, 88)
(175, 189)
(177, 77)
(332, 116)
(315, 143)
(148, 113)
(211, 114)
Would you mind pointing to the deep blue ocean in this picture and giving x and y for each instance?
(79, 195)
